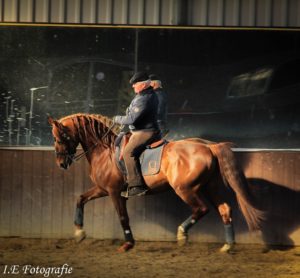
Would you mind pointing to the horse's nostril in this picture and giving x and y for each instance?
(62, 165)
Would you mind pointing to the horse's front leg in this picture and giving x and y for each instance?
(120, 205)
(93, 193)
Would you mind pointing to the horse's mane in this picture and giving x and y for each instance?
(95, 125)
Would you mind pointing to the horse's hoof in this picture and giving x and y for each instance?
(266, 249)
(126, 247)
(182, 237)
(79, 235)
(227, 248)
(182, 242)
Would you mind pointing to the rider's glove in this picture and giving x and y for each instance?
(117, 119)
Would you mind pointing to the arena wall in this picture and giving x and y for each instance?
(37, 200)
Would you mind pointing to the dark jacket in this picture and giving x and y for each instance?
(162, 108)
(142, 112)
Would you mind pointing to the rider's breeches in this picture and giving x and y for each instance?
(137, 142)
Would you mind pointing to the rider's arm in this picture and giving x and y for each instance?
(136, 110)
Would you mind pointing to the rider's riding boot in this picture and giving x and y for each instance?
(136, 183)
(139, 190)
(136, 190)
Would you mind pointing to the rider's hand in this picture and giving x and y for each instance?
(117, 119)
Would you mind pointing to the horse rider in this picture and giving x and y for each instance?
(162, 104)
(141, 118)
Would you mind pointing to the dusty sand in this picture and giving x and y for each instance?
(96, 258)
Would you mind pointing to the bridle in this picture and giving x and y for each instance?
(72, 156)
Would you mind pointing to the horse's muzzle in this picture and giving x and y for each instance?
(64, 165)
(66, 162)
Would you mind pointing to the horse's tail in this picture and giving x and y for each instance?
(235, 178)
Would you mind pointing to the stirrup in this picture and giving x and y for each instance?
(134, 191)
(125, 193)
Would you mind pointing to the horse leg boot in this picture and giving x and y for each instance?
(183, 228)
(91, 194)
(120, 205)
(225, 212)
(199, 210)
(79, 233)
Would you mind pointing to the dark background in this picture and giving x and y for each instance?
(87, 70)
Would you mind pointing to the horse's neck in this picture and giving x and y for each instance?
(93, 143)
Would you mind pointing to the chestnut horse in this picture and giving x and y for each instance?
(187, 165)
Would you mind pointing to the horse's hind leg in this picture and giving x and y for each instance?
(215, 196)
(225, 212)
(199, 209)
(93, 193)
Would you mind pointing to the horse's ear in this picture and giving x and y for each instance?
(50, 119)
(52, 122)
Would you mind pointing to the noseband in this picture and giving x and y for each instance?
(71, 156)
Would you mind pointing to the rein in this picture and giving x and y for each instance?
(75, 158)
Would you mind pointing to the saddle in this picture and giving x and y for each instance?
(149, 155)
